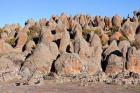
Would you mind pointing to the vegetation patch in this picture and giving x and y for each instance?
(11, 41)
(34, 32)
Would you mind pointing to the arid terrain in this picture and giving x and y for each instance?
(71, 54)
(52, 87)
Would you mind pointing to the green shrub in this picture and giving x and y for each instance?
(96, 31)
(112, 30)
(123, 38)
(11, 41)
(104, 42)
(34, 32)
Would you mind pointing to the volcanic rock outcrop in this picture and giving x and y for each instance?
(102, 47)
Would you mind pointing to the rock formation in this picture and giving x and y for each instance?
(104, 48)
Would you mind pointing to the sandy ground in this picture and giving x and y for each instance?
(53, 87)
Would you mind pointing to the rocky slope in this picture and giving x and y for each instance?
(79, 48)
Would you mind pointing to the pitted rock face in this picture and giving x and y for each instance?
(115, 64)
(40, 61)
(133, 63)
(70, 45)
(8, 70)
(69, 64)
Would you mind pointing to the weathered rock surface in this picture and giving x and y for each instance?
(102, 49)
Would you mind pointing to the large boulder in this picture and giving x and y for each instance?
(94, 63)
(5, 48)
(22, 38)
(8, 70)
(137, 37)
(64, 19)
(115, 64)
(133, 63)
(116, 21)
(112, 47)
(80, 44)
(115, 36)
(40, 62)
(129, 29)
(69, 64)
(10, 65)
(123, 47)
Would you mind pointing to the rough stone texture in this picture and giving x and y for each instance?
(115, 36)
(123, 47)
(116, 21)
(115, 64)
(40, 61)
(137, 40)
(87, 48)
(112, 47)
(22, 39)
(129, 29)
(69, 64)
(94, 65)
(8, 70)
(5, 47)
(133, 63)
(108, 22)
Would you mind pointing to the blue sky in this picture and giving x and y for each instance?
(17, 11)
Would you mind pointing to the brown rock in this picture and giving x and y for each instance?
(80, 45)
(116, 21)
(123, 47)
(133, 63)
(21, 39)
(5, 48)
(115, 64)
(137, 41)
(99, 22)
(40, 61)
(108, 22)
(69, 64)
(115, 36)
(129, 29)
(64, 19)
(46, 34)
(8, 70)
(94, 63)
(112, 47)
